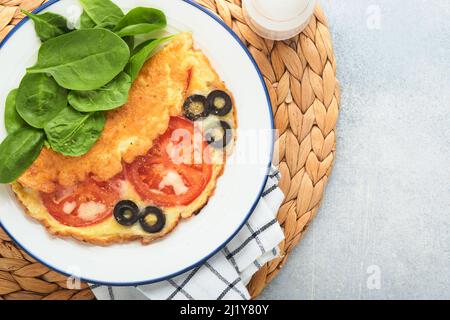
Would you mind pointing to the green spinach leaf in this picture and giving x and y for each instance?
(73, 133)
(86, 22)
(111, 96)
(84, 59)
(39, 99)
(102, 12)
(142, 53)
(130, 42)
(141, 20)
(48, 25)
(13, 121)
(18, 152)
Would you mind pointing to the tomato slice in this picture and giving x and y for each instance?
(176, 170)
(86, 204)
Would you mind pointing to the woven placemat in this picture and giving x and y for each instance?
(300, 75)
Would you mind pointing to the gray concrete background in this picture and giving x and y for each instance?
(383, 231)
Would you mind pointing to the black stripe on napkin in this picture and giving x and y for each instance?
(255, 234)
(272, 188)
(276, 174)
(180, 287)
(233, 262)
(111, 293)
(258, 241)
(229, 285)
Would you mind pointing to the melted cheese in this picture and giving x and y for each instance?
(123, 189)
(174, 180)
(90, 210)
(69, 207)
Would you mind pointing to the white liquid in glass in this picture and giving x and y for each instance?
(278, 19)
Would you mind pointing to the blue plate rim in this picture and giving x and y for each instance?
(196, 264)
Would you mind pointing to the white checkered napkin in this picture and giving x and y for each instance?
(225, 275)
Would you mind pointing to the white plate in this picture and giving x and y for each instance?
(238, 190)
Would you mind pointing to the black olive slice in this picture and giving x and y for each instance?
(195, 107)
(152, 220)
(126, 213)
(219, 137)
(219, 103)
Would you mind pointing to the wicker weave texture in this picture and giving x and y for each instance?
(300, 75)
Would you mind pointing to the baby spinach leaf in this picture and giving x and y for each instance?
(102, 12)
(142, 53)
(111, 96)
(84, 59)
(39, 99)
(130, 42)
(86, 22)
(73, 133)
(141, 45)
(48, 25)
(18, 152)
(13, 121)
(140, 20)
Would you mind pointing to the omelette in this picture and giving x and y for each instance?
(156, 162)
